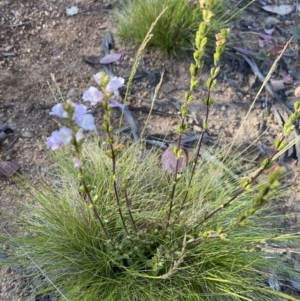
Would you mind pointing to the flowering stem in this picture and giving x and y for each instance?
(128, 202)
(116, 190)
(175, 178)
(86, 191)
(196, 159)
(108, 129)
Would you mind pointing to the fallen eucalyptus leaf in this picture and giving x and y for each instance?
(168, 160)
(8, 168)
(265, 37)
(111, 58)
(282, 9)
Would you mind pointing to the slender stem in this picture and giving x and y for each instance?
(129, 211)
(95, 209)
(86, 190)
(239, 192)
(113, 157)
(195, 161)
(175, 178)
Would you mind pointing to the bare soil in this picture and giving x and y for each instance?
(39, 42)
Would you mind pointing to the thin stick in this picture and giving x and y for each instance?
(140, 52)
(15, 25)
(265, 81)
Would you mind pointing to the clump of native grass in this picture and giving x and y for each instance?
(122, 227)
(175, 30)
(193, 260)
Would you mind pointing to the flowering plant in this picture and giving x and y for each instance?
(116, 225)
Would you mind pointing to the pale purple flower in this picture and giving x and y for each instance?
(59, 111)
(63, 136)
(93, 95)
(87, 122)
(114, 84)
(52, 143)
(77, 162)
(97, 78)
(79, 135)
(79, 112)
(115, 104)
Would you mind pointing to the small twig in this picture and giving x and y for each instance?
(13, 142)
(4, 126)
(156, 112)
(15, 25)
(259, 75)
(8, 54)
(3, 15)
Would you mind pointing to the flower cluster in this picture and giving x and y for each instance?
(80, 120)
(76, 114)
(94, 96)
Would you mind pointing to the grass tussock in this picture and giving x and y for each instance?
(175, 31)
(190, 261)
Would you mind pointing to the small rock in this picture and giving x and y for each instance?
(8, 168)
(71, 11)
(167, 88)
(27, 134)
(8, 49)
(197, 129)
(3, 136)
(71, 93)
(277, 85)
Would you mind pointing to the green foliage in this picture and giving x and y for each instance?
(189, 261)
(175, 31)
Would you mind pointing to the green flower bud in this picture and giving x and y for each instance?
(297, 106)
(293, 118)
(193, 70)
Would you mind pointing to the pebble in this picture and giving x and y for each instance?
(197, 129)
(3, 136)
(167, 88)
(71, 94)
(27, 134)
(8, 49)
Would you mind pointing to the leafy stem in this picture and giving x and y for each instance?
(195, 69)
(210, 84)
(87, 192)
(113, 153)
